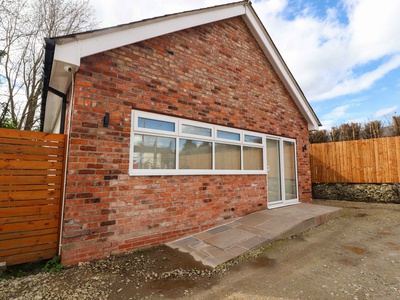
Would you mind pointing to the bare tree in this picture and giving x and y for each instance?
(372, 130)
(335, 134)
(350, 131)
(396, 125)
(23, 25)
(10, 17)
(319, 136)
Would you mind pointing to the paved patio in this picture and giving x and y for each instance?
(223, 243)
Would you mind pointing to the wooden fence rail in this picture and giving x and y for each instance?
(31, 182)
(360, 161)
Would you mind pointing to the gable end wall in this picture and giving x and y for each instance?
(214, 73)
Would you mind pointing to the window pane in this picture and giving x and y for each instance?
(156, 124)
(227, 157)
(195, 154)
(274, 173)
(289, 170)
(196, 130)
(228, 135)
(252, 139)
(153, 152)
(252, 158)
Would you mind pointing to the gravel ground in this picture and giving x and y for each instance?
(159, 272)
(356, 256)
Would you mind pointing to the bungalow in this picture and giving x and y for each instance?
(175, 124)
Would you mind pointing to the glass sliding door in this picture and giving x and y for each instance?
(289, 157)
(282, 172)
(274, 171)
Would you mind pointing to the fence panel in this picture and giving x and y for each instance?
(31, 181)
(360, 161)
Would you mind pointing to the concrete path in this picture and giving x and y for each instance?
(223, 243)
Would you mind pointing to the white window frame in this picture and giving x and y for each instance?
(178, 134)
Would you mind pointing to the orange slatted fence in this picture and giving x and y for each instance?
(31, 187)
(360, 161)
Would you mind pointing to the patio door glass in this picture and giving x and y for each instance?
(289, 158)
(273, 168)
(282, 172)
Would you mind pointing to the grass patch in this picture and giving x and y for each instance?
(139, 251)
(54, 265)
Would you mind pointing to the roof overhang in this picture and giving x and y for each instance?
(70, 49)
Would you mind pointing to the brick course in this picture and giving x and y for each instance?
(214, 73)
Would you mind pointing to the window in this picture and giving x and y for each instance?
(153, 152)
(195, 154)
(228, 135)
(162, 145)
(156, 124)
(253, 158)
(195, 130)
(253, 139)
(227, 157)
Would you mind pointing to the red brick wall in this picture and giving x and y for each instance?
(215, 73)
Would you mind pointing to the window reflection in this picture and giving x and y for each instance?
(274, 172)
(195, 154)
(153, 152)
(227, 157)
(228, 135)
(156, 124)
(252, 158)
(290, 170)
(252, 139)
(196, 130)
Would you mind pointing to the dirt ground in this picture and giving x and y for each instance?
(356, 256)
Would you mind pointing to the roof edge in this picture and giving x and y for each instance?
(72, 48)
(101, 31)
(66, 51)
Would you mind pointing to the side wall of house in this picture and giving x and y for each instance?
(214, 73)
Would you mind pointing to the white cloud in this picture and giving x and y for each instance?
(385, 112)
(322, 53)
(334, 117)
(374, 28)
(362, 82)
(117, 12)
(338, 112)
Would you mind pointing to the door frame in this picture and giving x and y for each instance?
(283, 201)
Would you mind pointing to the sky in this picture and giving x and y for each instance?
(344, 54)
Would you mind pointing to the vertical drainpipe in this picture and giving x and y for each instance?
(48, 65)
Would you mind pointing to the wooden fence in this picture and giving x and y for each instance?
(360, 161)
(31, 183)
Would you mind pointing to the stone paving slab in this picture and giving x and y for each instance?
(220, 244)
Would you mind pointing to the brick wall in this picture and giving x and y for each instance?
(215, 73)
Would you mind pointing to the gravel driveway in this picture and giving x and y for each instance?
(356, 256)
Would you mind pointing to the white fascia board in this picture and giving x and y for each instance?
(69, 53)
(72, 52)
(277, 62)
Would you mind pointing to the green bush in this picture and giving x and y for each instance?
(54, 265)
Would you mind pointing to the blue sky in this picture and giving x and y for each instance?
(345, 54)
